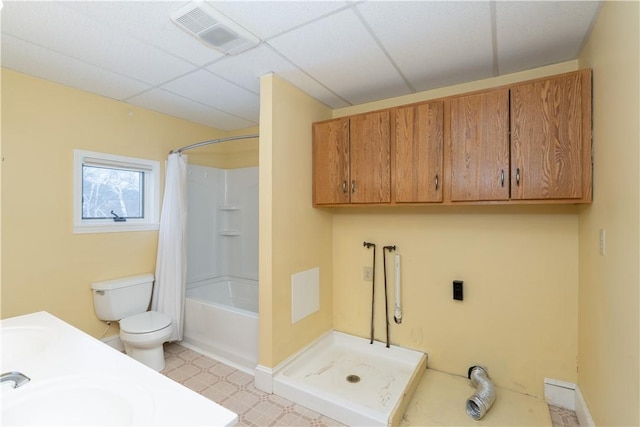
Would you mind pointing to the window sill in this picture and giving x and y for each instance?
(112, 228)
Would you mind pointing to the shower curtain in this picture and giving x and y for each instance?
(171, 262)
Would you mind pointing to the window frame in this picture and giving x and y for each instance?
(151, 170)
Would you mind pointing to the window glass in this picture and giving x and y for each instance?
(106, 190)
(114, 193)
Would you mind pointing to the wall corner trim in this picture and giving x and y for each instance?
(264, 379)
(568, 395)
(560, 393)
(582, 410)
(264, 375)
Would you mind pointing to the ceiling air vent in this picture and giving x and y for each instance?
(213, 28)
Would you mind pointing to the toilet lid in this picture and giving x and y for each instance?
(146, 322)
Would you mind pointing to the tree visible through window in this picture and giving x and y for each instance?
(109, 191)
(113, 193)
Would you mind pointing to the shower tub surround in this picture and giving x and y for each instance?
(350, 380)
(221, 307)
(222, 223)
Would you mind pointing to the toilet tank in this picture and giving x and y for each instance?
(119, 298)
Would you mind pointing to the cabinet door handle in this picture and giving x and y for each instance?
(344, 186)
(437, 182)
(502, 178)
(353, 186)
(518, 176)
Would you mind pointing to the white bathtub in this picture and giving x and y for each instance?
(221, 319)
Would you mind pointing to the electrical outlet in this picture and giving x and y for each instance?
(457, 290)
(367, 274)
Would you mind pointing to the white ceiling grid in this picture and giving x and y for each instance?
(531, 34)
(337, 58)
(340, 52)
(435, 44)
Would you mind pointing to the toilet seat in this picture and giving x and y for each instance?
(143, 336)
(144, 323)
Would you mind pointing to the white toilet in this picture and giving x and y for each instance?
(142, 332)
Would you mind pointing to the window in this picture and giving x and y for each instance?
(114, 193)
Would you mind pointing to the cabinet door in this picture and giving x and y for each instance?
(418, 153)
(369, 152)
(331, 162)
(480, 146)
(547, 139)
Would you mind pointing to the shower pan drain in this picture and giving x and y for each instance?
(353, 379)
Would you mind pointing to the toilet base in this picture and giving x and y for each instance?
(152, 357)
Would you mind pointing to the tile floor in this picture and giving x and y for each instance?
(562, 417)
(234, 390)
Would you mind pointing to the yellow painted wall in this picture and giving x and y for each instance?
(519, 266)
(609, 331)
(294, 237)
(241, 153)
(45, 265)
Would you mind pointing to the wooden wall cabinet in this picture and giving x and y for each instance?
(418, 152)
(479, 146)
(331, 162)
(522, 143)
(351, 160)
(551, 138)
(526, 143)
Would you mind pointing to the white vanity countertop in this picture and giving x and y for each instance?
(58, 357)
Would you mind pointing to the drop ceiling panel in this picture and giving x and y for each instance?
(208, 89)
(310, 86)
(28, 58)
(245, 70)
(266, 19)
(70, 33)
(149, 21)
(531, 34)
(341, 54)
(178, 106)
(434, 44)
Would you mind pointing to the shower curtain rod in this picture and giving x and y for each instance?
(213, 141)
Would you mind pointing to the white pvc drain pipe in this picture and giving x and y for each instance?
(397, 314)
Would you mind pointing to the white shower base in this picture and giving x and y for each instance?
(316, 378)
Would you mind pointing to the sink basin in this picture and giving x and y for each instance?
(89, 400)
(21, 344)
